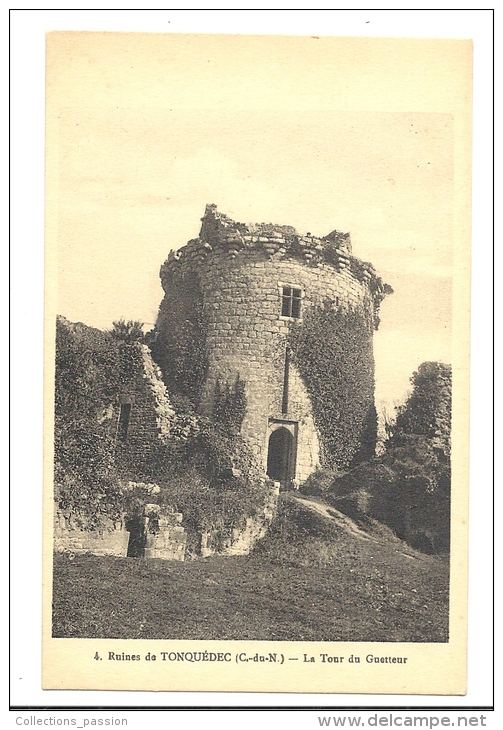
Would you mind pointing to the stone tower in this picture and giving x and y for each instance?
(233, 297)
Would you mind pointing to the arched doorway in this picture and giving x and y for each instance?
(280, 456)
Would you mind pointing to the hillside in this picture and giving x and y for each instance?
(316, 576)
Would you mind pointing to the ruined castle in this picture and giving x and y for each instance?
(234, 297)
(265, 332)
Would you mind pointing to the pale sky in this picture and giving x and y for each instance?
(145, 130)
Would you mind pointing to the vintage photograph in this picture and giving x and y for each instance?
(250, 330)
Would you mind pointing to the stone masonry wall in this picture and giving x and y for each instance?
(165, 537)
(167, 542)
(69, 538)
(248, 336)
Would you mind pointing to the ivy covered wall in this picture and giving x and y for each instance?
(180, 345)
(113, 422)
(332, 349)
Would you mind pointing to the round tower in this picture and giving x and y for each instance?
(238, 300)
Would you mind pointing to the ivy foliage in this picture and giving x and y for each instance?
(180, 347)
(332, 349)
(216, 485)
(229, 405)
(91, 369)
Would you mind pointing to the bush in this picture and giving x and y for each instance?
(299, 537)
(408, 489)
(212, 507)
(319, 482)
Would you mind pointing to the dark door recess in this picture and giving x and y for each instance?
(280, 456)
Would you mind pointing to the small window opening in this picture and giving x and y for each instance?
(291, 302)
(124, 416)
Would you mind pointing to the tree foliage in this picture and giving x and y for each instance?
(427, 411)
(128, 332)
(406, 488)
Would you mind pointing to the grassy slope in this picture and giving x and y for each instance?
(308, 580)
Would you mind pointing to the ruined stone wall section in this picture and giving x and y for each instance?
(151, 417)
(69, 538)
(165, 536)
(130, 378)
(164, 413)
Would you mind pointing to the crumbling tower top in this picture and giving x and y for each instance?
(221, 234)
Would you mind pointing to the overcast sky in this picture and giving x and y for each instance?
(146, 130)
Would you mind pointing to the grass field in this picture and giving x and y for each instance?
(309, 580)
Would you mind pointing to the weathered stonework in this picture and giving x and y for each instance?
(165, 537)
(71, 539)
(244, 274)
(152, 420)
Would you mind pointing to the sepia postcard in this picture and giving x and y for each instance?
(256, 363)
